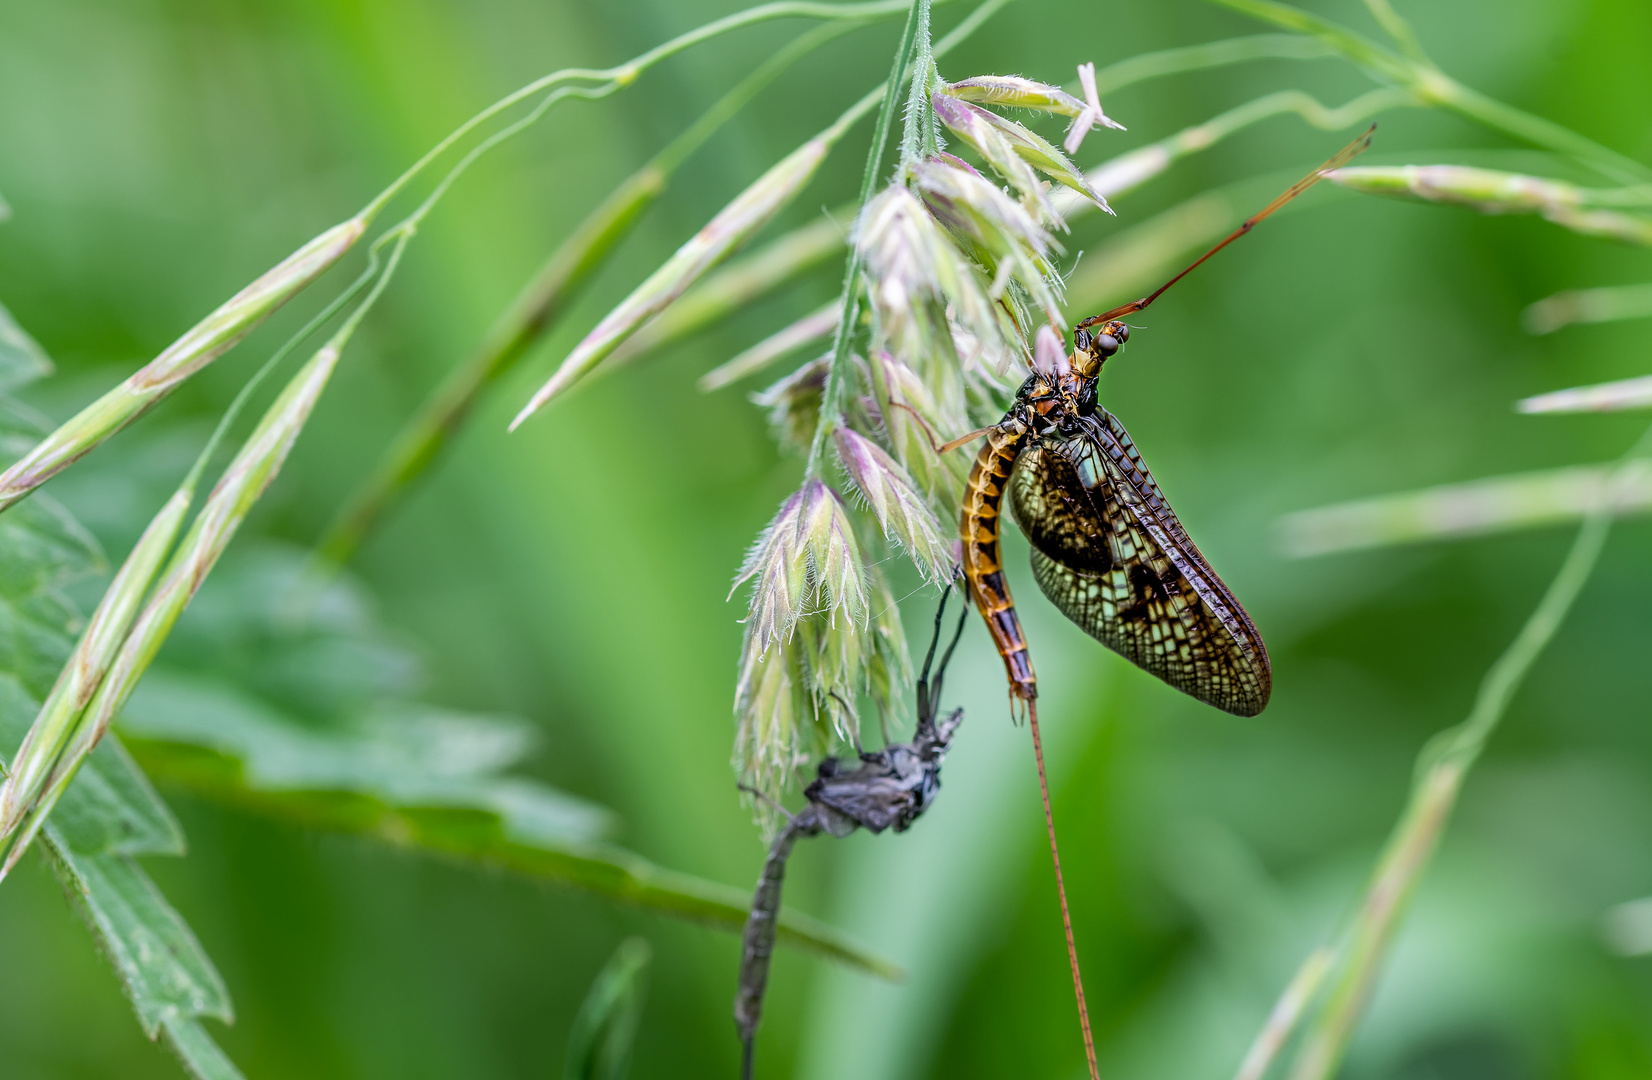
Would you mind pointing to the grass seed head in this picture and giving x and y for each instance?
(1012, 91)
(794, 404)
(837, 581)
(914, 270)
(780, 565)
(1000, 233)
(899, 506)
(985, 133)
(728, 230)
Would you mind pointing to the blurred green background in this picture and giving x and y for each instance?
(157, 155)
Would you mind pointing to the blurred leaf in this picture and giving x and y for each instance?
(599, 1047)
(110, 813)
(160, 964)
(1587, 306)
(1496, 504)
(305, 718)
(21, 360)
(1618, 396)
(196, 1051)
(406, 774)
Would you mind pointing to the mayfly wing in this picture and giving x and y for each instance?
(1111, 554)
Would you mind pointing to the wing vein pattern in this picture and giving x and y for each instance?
(1108, 550)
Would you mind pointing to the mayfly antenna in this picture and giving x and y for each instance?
(1337, 161)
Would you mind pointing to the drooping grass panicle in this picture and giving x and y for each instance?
(97, 648)
(913, 272)
(896, 502)
(727, 231)
(1000, 233)
(541, 302)
(199, 346)
(243, 481)
(1490, 191)
(237, 317)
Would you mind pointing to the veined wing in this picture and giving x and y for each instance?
(1110, 553)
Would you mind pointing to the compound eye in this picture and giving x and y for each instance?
(1123, 333)
(1107, 344)
(1081, 340)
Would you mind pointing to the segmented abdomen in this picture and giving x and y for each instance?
(983, 499)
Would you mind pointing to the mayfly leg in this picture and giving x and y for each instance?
(757, 943)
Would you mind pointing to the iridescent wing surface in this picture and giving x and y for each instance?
(1110, 553)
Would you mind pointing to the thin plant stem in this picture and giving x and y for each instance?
(1434, 87)
(1061, 892)
(1282, 1018)
(536, 309)
(1397, 28)
(232, 321)
(627, 73)
(1155, 65)
(1442, 766)
(837, 374)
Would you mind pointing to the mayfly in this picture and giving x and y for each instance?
(1107, 549)
(889, 790)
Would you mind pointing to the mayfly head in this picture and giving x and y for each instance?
(1094, 345)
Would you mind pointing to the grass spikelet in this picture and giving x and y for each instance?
(1001, 233)
(203, 343)
(912, 270)
(1489, 191)
(794, 405)
(896, 502)
(728, 230)
(779, 563)
(244, 480)
(984, 131)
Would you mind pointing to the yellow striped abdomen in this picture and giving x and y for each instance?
(983, 501)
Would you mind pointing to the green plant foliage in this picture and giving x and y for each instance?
(599, 1048)
(110, 814)
(1351, 353)
(302, 710)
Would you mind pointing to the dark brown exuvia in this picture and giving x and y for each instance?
(889, 790)
(1107, 549)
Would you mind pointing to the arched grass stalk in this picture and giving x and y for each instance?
(241, 314)
(1432, 86)
(538, 306)
(784, 259)
(732, 226)
(1442, 767)
(73, 724)
(42, 761)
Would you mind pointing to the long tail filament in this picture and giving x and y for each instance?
(1061, 891)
